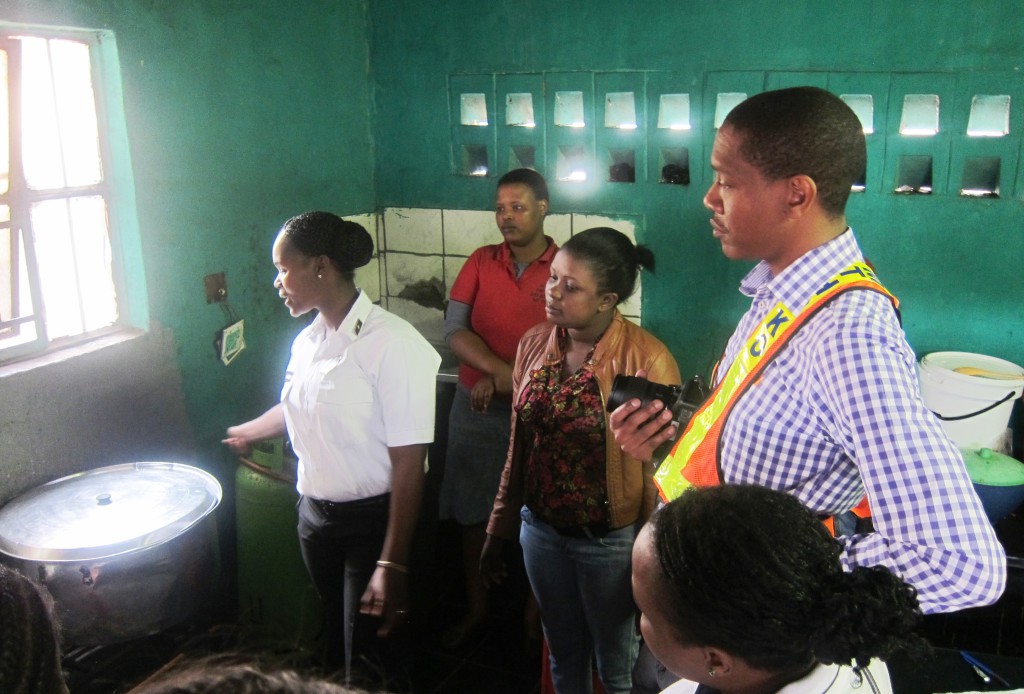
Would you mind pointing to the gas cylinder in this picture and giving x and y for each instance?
(275, 594)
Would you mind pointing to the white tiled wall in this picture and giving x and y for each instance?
(463, 230)
(429, 245)
(631, 306)
(559, 227)
(368, 276)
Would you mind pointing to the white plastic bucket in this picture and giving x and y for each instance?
(974, 410)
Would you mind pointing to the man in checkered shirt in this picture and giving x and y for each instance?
(837, 414)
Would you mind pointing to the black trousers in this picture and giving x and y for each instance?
(341, 543)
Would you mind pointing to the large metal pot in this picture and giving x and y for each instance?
(126, 550)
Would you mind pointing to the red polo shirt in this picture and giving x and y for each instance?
(502, 306)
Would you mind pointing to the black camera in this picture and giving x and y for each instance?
(682, 401)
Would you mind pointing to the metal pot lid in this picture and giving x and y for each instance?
(107, 511)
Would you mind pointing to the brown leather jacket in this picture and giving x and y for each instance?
(624, 349)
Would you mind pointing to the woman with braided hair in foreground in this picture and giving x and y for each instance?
(235, 674)
(742, 590)
(29, 638)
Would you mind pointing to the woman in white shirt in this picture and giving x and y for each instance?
(742, 590)
(358, 406)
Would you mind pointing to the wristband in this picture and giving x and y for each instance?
(402, 568)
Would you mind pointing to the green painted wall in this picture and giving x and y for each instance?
(955, 263)
(239, 115)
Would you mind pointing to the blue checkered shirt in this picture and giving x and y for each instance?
(839, 413)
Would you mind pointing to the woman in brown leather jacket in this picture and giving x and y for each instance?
(579, 498)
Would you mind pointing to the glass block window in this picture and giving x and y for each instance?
(620, 111)
(519, 110)
(920, 115)
(569, 110)
(674, 112)
(726, 102)
(990, 116)
(864, 106)
(474, 109)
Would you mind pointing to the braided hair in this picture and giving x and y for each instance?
(612, 257)
(29, 637)
(227, 674)
(751, 571)
(347, 244)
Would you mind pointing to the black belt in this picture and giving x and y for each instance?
(594, 530)
(337, 506)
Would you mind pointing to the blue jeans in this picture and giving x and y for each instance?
(583, 589)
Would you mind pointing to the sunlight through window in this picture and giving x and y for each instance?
(56, 264)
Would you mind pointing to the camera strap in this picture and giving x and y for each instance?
(695, 459)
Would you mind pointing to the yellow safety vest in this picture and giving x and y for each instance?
(695, 459)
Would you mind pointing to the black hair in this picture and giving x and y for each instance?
(803, 130)
(612, 257)
(751, 571)
(29, 637)
(229, 674)
(347, 244)
(529, 178)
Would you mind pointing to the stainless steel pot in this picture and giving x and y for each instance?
(126, 550)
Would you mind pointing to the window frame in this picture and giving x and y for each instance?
(116, 188)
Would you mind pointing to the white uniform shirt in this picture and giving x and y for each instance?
(824, 679)
(350, 394)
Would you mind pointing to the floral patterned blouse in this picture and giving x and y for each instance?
(565, 470)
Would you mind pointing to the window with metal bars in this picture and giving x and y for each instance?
(56, 268)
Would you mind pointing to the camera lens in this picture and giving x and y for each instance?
(625, 388)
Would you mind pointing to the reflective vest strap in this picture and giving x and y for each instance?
(703, 466)
(862, 510)
(703, 470)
